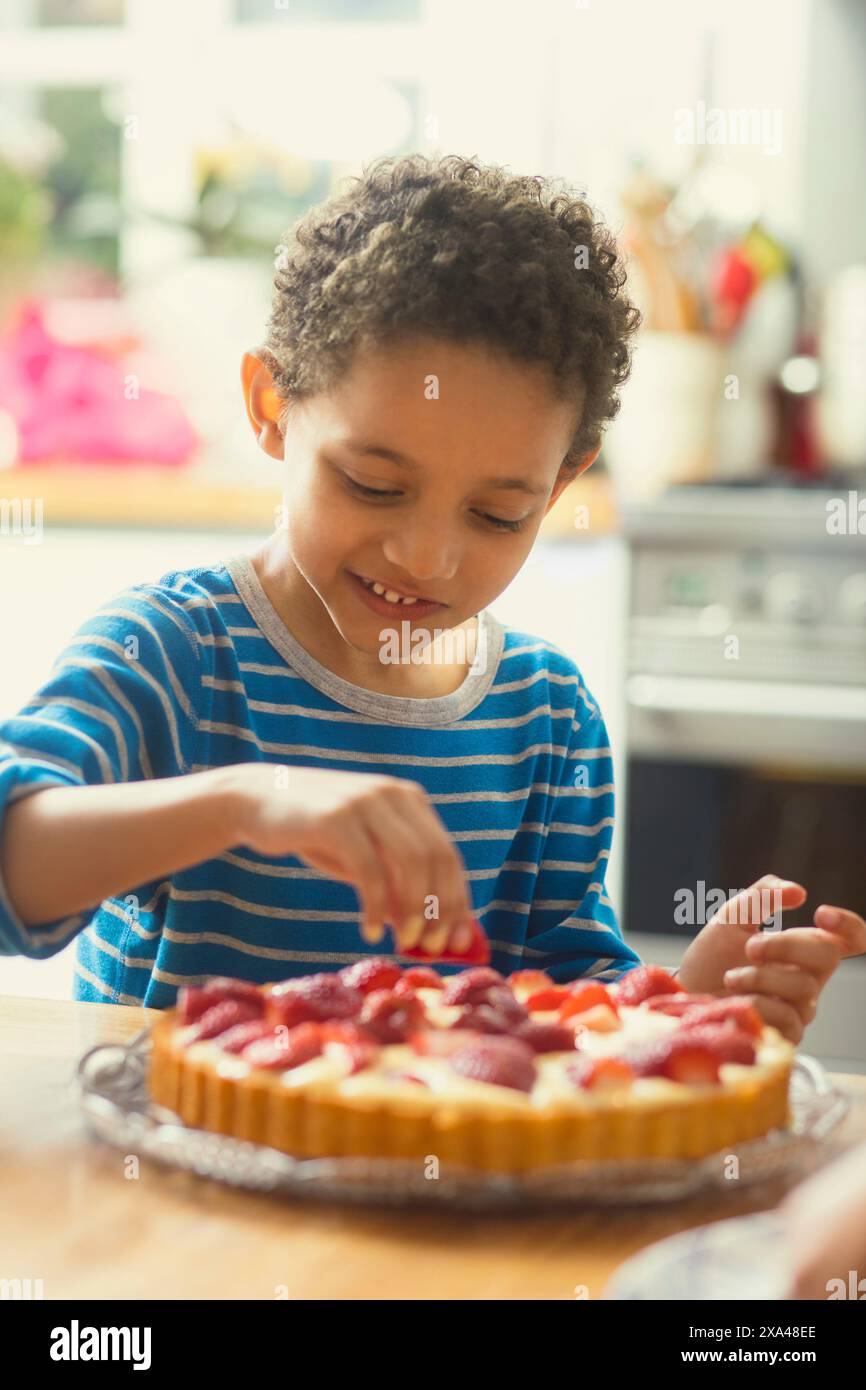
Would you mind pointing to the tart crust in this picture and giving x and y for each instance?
(679, 1122)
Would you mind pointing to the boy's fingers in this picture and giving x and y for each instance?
(420, 843)
(779, 1015)
(787, 982)
(808, 947)
(403, 863)
(847, 925)
(763, 900)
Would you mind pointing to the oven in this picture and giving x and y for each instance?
(745, 702)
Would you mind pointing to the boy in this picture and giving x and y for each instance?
(224, 763)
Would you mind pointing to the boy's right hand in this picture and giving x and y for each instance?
(379, 833)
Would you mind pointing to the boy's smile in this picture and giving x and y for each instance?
(414, 491)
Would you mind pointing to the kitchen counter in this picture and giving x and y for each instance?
(74, 1218)
(146, 497)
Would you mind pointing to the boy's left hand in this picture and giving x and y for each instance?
(782, 971)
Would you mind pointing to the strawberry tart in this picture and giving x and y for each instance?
(499, 1074)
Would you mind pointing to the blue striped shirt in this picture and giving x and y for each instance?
(198, 671)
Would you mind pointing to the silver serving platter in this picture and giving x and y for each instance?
(112, 1079)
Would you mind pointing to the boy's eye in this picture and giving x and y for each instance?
(368, 491)
(501, 523)
(505, 525)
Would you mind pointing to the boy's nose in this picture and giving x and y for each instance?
(425, 557)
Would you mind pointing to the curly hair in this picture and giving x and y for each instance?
(460, 251)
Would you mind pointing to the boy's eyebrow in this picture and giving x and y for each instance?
(403, 461)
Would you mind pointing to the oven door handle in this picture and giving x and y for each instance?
(733, 698)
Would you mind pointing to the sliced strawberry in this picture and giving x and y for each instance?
(738, 1010)
(678, 1058)
(499, 997)
(282, 1050)
(440, 1042)
(643, 982)
(471, 985)
(389, 1017)
(546, 1037)
(496, 1061)
(585, 996)
(220, 1017)
(418, 977)
(529, 981)
(726, 1043)
(351, 1041)
(478, 952)
(312, 999)
(194, 1000)
(601, 1018)
(599, 1073)
(546, 1000)
(482, 1018)
(676, 1004)
(372, 972)
(235, 1039)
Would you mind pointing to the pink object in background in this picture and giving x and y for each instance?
(77, 405)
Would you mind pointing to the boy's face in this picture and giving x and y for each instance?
(481, 441)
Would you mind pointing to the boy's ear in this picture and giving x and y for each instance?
(563, 482)
(262, 403)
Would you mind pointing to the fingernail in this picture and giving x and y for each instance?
(462, 939)
(734, 974)
(435, 939)
(411, 933)
(372, 932)
(829, 916)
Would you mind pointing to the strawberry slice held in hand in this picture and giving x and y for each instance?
(477, 953)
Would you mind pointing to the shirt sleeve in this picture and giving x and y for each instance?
(119, 705)
(573, 930)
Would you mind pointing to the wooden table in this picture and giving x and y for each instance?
(71, 1217)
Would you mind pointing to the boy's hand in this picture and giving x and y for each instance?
(381, 834)
(782, 972)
